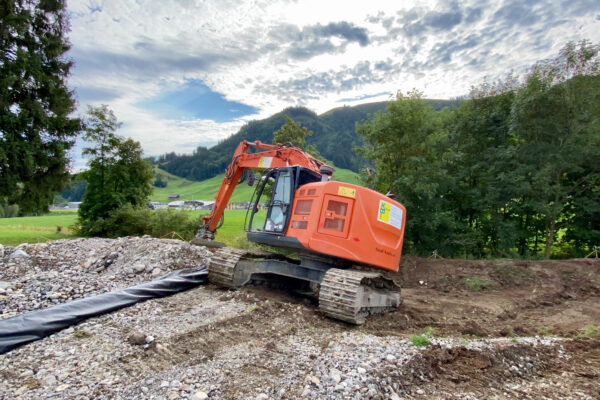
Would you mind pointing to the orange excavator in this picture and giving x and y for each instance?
(346, 237)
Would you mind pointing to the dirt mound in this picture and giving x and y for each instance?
(497, 298)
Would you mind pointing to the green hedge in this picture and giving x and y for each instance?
(129, 221)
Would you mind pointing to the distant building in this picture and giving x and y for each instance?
(238, 205)
(155, 205)
(173, 196)
(73, 205)
(176, 204)
(208, 204)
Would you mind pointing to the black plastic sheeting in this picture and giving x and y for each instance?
(35, 325)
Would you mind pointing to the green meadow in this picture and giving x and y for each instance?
(207, 189)
(56, 224)
(52, 226)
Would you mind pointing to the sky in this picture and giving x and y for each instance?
(185, 73)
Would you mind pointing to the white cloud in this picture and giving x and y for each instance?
(274, 54)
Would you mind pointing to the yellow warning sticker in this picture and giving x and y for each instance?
(384, 211)
(390, 214)
(265, 162)
(347, 192)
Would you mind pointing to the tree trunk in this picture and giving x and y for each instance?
(550, 225)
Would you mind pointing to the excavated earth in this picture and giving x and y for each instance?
(495, 330)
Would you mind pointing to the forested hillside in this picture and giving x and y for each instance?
(332, 131)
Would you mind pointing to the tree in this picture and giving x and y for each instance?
(117, 175)
(160, 182)
(407, 143)
(479, 137)
(555, 121)
(36, 130)
(291, 132)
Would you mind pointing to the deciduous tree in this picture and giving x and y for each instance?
(555, 120)
(117, 175)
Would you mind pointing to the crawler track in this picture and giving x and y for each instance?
(222, 266)
(350, 295)
(347, 295)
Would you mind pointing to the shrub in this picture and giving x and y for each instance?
(11, 211)
(589, 331)
(419, 340)
(477, 284)
(514, 274)
(137, 221)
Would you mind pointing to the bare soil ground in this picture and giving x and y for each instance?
(497, 329)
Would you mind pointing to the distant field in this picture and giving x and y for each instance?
(14, 231)
(207, 189)
(40, 229)
(37, 229)
(232, 231)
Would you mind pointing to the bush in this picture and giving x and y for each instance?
(478, 284)
(514, 274)
(419, 340)
(588, 331)
(9, 211)
(131, 221)
(160, 184)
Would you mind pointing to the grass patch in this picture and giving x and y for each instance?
(207, 189)
(546, 331)
(38, 229)
(477, 284)
(422, 340)
(429, 331)
(514, 274)
(419, 340)
(14, 231)
(588, 331)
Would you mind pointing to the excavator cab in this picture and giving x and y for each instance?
(271, 204)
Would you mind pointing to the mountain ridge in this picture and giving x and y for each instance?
(333, 130)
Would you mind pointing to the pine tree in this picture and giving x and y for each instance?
(35, 103)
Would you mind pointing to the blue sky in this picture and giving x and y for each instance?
(193, 99)
(184, 73)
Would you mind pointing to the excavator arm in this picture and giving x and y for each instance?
(271, 156)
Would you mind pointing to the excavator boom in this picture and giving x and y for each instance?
(270, 156)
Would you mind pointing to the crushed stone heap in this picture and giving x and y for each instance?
(35, 276)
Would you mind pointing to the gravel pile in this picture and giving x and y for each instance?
(102, 358)
(35, 276)
(208, 343)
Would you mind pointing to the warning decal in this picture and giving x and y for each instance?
(347, 191)
(390, 214)
(265, 162)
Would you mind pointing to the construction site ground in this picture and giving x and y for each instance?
(489, 329)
